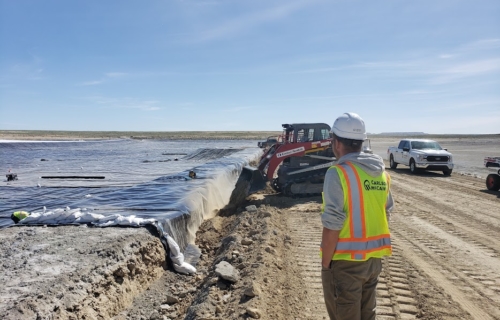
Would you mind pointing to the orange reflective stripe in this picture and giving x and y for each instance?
(349, 197)
(361, 200)
(388, 181)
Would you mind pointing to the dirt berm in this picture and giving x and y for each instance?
(262, 262)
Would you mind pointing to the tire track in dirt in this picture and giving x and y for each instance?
(469, 218)
(473, 187)
(453, 201)
(395, 299)
(447, 278)
(476, 183)
(461, 181)
(479, 275)
(452, 244)
(306, 231)
(453, 193)
(449, 219)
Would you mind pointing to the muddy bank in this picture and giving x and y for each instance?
(75, 272)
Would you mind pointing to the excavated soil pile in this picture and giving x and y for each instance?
(247, 270)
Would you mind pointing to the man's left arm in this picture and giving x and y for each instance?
(328, 244)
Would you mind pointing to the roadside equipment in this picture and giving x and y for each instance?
(493, 179)
(296, 164)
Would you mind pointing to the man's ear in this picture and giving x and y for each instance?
(334, 146)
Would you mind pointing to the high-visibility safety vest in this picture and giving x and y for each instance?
(365, 233)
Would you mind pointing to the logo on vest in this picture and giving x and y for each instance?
(375, 185)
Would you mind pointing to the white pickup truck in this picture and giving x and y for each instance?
(421, 154)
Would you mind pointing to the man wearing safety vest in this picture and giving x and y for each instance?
(356, 204)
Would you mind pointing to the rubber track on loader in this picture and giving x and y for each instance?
(287, 188)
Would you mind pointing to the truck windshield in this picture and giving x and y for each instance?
(420, 145)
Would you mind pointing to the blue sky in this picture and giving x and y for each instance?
(232, 65)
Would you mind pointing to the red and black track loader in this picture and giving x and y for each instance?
(295, 165)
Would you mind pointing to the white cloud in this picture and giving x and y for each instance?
(478, 58)
(479, 45)
(107, 76)
(115, 74)
(125, 103)
(92, 83)
(237, 109)
(382, 65)
(468, 105)
(29, 71)
(466, 69)
(243, 23)
(440, 69)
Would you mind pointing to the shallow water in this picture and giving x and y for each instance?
(147, 178)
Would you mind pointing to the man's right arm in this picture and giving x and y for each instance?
(389, 206)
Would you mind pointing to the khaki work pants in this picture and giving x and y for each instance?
(349, 288)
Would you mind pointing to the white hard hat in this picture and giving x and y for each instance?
(349, 126)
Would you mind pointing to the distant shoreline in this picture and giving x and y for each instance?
(37, 135)
(139, 135)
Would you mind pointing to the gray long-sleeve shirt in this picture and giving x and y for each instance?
(333, 216)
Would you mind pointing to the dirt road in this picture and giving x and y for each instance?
(446, 236)
(446, 262)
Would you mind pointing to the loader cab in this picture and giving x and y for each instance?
(305, 132)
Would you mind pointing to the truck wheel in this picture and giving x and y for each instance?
(447, 172)
(393, 164)
(413, 166)
(493, 182)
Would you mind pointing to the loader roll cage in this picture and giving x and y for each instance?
(302, 151)
(297, 140)
(304, 132)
